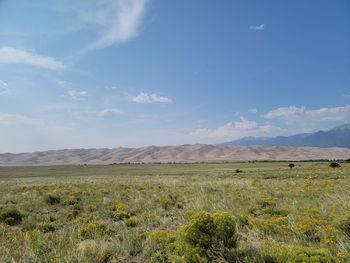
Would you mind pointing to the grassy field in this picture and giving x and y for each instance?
(175, 213)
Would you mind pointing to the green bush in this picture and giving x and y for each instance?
(93, 229)
(308, 255)
(170, 201)
(132, 221)
(11, 216)
(120, 215)
(51, 199)
(121, 212)
(157, 243)
(211, 235)
(160, 239)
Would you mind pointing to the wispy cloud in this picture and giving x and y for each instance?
(235, 130)
(143, 97)
(77, 95)
(258, 27)
(108, 113)
(10, 55)
(300, 117)
(117, 21)
(253, 110)
(3, 87)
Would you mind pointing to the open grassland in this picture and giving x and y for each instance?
(175, 213)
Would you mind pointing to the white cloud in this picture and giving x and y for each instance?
(306, 120)
(10, 55)
(77, 95)
(285, 113)
(117, 21)
(235, 130)
(258, 27)
(107, 113)
(143, 97)
(3, 88)
(253, 110)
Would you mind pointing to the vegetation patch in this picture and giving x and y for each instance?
(176, 213)
(11, 216)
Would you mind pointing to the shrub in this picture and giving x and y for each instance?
(170, 201)
(291, 165)
(93, 229)
(271, 225)
(11, 216)
(51, 199)
(120, 215)
(47, 227)
(132, 221)
(72, 201)
(266, 202)
(120, 206)
(121, 212)
(308, 254)
(161, 238)
(211, 235)
(308, 229)
(92, 208)
(334, 165)
(158, 242)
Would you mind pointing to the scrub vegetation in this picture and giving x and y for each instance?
(205, 212)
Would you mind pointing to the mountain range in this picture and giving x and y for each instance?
(332, 145)
(178, 154)
(336, 137)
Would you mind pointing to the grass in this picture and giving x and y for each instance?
(143, 213)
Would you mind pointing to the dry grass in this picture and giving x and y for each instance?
(114, 213)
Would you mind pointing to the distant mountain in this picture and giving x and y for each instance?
(336, 137)
(164, 154)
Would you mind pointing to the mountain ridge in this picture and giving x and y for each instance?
(337, 137)
(173, 154)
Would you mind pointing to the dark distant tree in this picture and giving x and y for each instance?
(348, 160)
(291, 165)
(334, 165)
(239, 171)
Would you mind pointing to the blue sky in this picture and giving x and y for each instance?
(150, 72)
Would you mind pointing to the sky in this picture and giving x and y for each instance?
(132, 73)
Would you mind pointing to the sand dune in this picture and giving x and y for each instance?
(182, 153)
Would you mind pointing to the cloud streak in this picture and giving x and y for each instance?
(234, 130)
(143, 97)
(10, 55)
(258, 27)
(3, 88)
(116, 21)
(108, 113)
(77, 95)
(306, 120)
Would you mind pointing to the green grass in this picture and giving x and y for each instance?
(140, 213)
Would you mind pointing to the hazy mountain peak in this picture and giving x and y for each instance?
(342, 127)
(336, 137)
